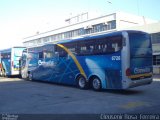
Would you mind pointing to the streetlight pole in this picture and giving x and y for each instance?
(110, 4)
(138, 7)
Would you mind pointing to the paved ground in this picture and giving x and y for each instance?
(18, 96)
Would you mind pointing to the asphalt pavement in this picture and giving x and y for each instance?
(27, 97)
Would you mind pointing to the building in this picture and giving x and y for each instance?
(108, 23)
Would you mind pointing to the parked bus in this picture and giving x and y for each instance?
(118, 60)
(9, 61)
(28, 61)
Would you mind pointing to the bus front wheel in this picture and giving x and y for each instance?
(82, 83)
(96, 84)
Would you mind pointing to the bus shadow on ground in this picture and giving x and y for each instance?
(136, 90)
(124, 92)
(131, 91)
(15, 76)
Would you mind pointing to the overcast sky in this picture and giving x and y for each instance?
(23, 18)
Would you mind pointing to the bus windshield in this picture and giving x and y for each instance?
(18, 53)
(33, 55)
(139, 40)
(140, 53)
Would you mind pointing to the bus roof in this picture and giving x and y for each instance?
(5, 50)
(9, 49)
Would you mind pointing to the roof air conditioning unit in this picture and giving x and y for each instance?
(105, 23)
(88, 27)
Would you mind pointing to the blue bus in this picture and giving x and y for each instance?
(28, 62)
(9, 61)
(118, 60)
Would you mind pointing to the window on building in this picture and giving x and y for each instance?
(81, 31)
(46, 39)
(156, 60)
(113, 24)
(88, 31)
(32, 43)
(26, 44)
(39, 41)
(63, 37)
(53, 38)
(155, 38)
(75, 33)
(97, 28)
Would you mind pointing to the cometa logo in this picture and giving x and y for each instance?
(47, 64)
(139, 71)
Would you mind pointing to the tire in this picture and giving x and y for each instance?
(96, 84)
(82, 83)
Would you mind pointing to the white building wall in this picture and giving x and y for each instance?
(98, 20)
(123, 21)
(126, 20)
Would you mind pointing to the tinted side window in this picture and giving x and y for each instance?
(6, 55)
(139, 40)
(40, 55)
(72, 47)
(99, 46)
(48, 54)
(115, 43)
(61, 51)
(83, 48)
